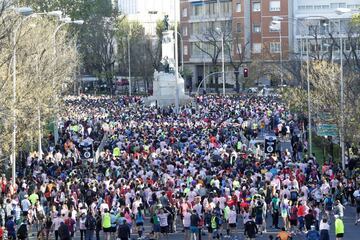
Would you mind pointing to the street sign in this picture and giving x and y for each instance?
(270, 144)
(325, 116)
(327, 130)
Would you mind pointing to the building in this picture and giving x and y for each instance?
(147, 12)
(245, 27)
(317, 20)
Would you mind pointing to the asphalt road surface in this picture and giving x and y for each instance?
(352, 231)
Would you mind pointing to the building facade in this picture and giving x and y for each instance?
(319, 22)
(245, 28)
(147, 12)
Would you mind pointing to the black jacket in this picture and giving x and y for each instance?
(250, 229)
(124, 231)
(63, 231)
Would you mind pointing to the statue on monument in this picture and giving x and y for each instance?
(166, 23)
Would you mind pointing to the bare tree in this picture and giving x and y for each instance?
(210, 43)
(41, 75)
(237, 56)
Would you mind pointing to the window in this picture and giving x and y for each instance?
(347, 45)
(334, 5)
(275, 47)
(197, 10)
(211, 8)
(186, 50)
(256, 7)
(342, 5)
(256, 48)
(184, 12)
(225, 8)
(256, 28)
(238, 27)
(238, 7)
(239, 49)
(185, 31)
(301, 7)
(274, 6)
(196, 28)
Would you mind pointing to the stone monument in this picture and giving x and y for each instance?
(164, 85)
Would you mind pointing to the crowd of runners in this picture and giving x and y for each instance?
(194, 172)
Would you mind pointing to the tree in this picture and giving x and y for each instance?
(40, 77)
(210, 43)
(238, 57)
(96, 36)
(325, 96)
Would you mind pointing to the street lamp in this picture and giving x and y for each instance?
(222, 57)
(341, 11)
(276, 25)
(182, 51)
(177, 100)
(64, 21)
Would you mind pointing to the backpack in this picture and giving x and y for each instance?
(259, 211)
(90, 223)
(139, 218)
(312, 235)
(293, 213)
(22, 232)
(293, 195)
(328, 203)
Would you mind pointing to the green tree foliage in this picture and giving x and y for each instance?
(95, 37)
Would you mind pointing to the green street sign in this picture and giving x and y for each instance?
(325, 116)
(327, 130)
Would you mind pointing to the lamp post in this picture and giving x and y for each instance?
(341, 11)
(129, 58)
(27, 12)
(223, 58)
(177, 100)
(64, 21)
(182, 51)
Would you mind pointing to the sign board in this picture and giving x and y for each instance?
(325, 117)
(270, 144)
(86, 150)
(327, 130)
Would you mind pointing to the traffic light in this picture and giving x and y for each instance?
(246, 72)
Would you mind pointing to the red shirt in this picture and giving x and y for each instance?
(301, 211)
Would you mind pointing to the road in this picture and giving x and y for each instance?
(351, 230)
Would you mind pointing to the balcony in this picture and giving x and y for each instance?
(209, 18)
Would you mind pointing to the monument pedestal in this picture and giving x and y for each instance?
(164, 86)
(164, 90)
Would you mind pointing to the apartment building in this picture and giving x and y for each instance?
(246, 24)
(316, 20)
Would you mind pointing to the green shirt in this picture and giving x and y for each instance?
(116, 152)
(106, 222)
(33, 198)
(339, 226)
(226, 212)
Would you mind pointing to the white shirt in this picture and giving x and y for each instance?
(25, 204)
(163, 218)
(186, 219)
(232, 217)
(324, 226)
